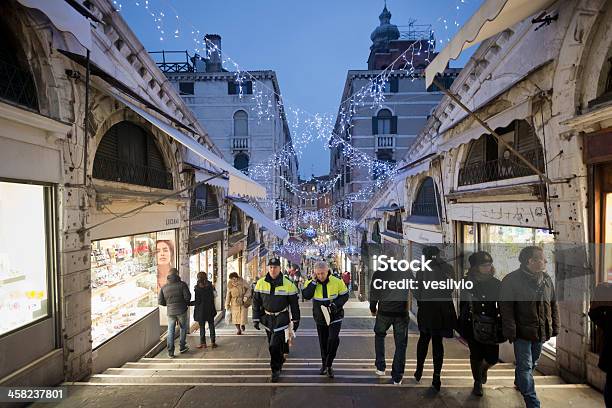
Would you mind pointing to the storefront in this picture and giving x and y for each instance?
(207, 260)
(126, 275)
(504, 243)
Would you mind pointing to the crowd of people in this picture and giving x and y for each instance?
(521, 308)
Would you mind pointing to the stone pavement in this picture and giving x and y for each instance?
(236, 374)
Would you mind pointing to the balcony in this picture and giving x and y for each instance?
(501, 169)
(125, 172)
(385, 142)
(240, 143)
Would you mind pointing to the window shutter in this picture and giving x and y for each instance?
(394, 84)
(476, 154)
(249, 88)
(525, 137)
(231, 88)
(394, 125)
(374, 125)
(211, 209)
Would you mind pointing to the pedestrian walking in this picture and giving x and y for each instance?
(391, 309)
(346, 278)
(529, 316)
(480, 317)
(274, 297)
(601, 314)
(328, 294)
(204, 310)
(176, 297)
(237, 301)
(436, 316)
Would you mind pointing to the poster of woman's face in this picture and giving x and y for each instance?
(164, 254)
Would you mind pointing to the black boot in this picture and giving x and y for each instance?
(476, 366)
(323, 370)
(483, 371)
(418, 373)
(436, 383)
(477, 390)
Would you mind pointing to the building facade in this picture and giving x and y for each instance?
(244, 116)
(384, 134)
(463, 188)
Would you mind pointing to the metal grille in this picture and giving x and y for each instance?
(17, 84)
(111, 169)
(501, 169)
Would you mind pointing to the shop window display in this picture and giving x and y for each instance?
(24, 296)
(205, 261)
(607, 277)
(126, 274)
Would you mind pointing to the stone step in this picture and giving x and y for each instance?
(303, 370)
(288, 377)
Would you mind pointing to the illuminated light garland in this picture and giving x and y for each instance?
(307, 127)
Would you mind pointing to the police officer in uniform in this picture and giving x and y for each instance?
(274, 296)
(329, 293)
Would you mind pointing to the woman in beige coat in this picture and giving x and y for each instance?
(238, 300)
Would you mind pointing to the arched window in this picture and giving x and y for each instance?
(16, 81)
(241, 123)
(427, 202)
(128, 154)
(383, 122)
(204, 204)
(241, 162)
(234, 220)
(251, 235)
(487, 160)
(394, 222)
(376, 233)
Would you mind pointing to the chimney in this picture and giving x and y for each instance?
(213, 51)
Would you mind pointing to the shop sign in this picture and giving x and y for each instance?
(518, 214)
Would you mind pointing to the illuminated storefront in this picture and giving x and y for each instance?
(126, 275)
(207, 261)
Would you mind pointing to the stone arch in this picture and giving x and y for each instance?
(35, 45)
(170, 151)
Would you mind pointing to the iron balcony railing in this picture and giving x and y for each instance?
(180, 61)
(501, 169)
(124, 172)
(425, 209)
(240, 143)
(199, 212)
(17, 85)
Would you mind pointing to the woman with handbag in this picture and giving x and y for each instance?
(480, 317)
(238, 300)
(204, 308)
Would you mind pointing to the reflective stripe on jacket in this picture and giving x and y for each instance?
(322, 294)
(273, 296)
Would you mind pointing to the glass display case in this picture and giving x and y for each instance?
(124, 281)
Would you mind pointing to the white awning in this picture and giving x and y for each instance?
(65, 18)
(262, 219)
(239, 184)
(493, 16)
(412, 171)
(519, 111)
(220, 181)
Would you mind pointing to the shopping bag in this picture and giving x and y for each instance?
(228, 316)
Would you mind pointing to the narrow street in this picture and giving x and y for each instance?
(236, 374)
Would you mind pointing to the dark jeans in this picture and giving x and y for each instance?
(211, 329)
(329, 341)
(182, 322)
(438, 351)
(276, 345)
(400, 336)
(527, 353)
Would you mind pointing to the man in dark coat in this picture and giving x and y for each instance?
(204, 310)
(436, 316)
(529, 316)
(176, 296)
(390, 306)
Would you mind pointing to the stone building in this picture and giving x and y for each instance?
(396, 62)
(462, 187)
(244, 117)
(83, 250)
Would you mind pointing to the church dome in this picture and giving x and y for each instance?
(385, 32)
